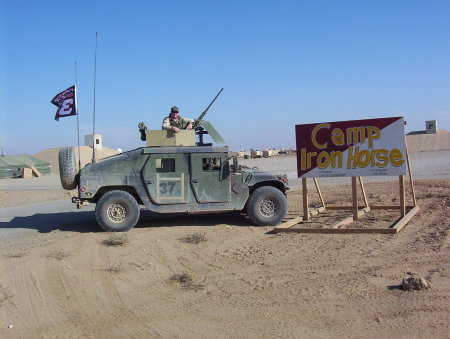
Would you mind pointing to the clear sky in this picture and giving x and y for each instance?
(281, 63)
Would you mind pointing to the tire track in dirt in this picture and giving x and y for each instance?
(29, 299)
(168, 258)
(111, 314)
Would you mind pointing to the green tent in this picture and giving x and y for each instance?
(12, 165)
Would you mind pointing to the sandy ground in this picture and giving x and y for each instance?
(60, 277)
(238, 282)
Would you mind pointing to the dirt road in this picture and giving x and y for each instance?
(61, 278)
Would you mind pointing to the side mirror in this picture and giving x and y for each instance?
(234, 166)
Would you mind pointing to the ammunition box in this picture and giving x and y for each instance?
(169, 138)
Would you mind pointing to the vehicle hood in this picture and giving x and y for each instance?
(253, 176)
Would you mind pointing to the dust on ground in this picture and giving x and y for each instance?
(70, 284)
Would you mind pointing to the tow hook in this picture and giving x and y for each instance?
(80, 203)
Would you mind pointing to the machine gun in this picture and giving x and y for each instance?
(200, 125)
(200, 118)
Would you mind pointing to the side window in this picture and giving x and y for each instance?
(165, 165)
(211, 164)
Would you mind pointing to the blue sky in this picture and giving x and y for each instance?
(281, 63)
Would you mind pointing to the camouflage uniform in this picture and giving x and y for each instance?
(170, 122)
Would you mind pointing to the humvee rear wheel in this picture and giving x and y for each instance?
(117, 211)
(267, 206)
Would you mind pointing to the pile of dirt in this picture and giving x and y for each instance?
(51, 155)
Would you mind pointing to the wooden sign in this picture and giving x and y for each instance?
(370, 147)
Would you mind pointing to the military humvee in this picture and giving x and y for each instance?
(173, 174)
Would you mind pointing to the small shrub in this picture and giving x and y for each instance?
(186, 281)
(4, 296)
(116, 239)
(115, 267)
(194, 238)
(15, 255)
(58, 255)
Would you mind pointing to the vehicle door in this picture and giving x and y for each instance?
(210, 177)
(166, 178)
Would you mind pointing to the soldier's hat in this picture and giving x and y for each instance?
(174, 109)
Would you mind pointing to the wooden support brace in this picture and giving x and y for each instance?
(318, 192)
(403, 221)
(349, 220)
(410, 175)
(363, 192)
(287, 226)
(388, 207)
(332, 208)
(340, 230)
(289, 223)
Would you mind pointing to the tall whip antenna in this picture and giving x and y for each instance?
(78, 120)
(95, 77)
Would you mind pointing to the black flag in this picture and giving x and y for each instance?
(66, 101)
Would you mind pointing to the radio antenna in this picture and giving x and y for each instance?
(95, 77)
(78, 120)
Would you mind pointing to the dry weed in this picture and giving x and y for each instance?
(194, 238)
(116, 239)
(58, 255)
(4, 296)
(115, 267)
(15, 255)
(186, 281)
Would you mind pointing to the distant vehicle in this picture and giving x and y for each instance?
(267, 153)
(256, 154)
(192, 178)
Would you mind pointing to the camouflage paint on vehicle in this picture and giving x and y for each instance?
(175, 179)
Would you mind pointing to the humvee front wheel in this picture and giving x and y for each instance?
(267, 205)
(117, 211)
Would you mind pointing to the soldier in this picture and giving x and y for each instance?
(176, 123)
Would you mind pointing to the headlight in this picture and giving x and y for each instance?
(283, 178)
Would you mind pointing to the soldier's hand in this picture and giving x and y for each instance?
(189, 126)
(175, 129)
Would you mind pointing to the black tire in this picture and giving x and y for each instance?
(68, 168)
(267, 205)
(117, 211)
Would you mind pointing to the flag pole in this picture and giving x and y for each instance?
(95, 76)
(78, 120)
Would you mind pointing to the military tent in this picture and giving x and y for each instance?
(12, 165)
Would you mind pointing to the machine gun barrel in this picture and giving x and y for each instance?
(206, 110)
